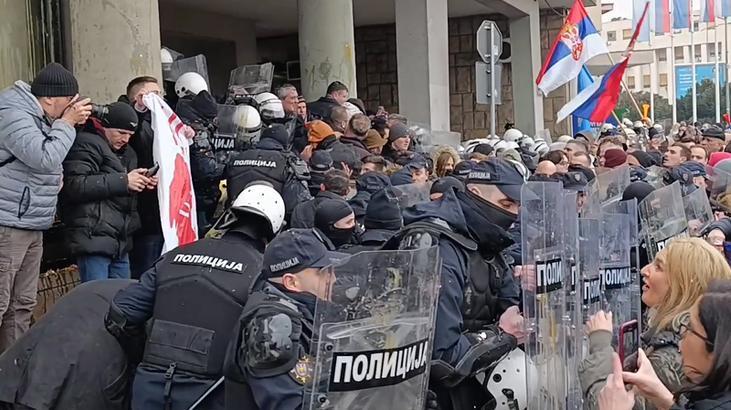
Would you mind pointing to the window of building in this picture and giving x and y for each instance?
(627, 33)
(711, 52)
(695, 26)
(679, 53)
(646, 81)
(697, 52)
(611, 36)
(631, 82)
(661, 54)
(663, 80)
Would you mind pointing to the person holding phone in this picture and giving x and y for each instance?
(673, 283)
(98, 199)
(706, 358)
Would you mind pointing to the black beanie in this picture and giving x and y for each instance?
(372, 182)
(54, 81)
(643, 158)
(276, 132)
(639, 190)
(120, 116)
(383, 211)
(330, 211)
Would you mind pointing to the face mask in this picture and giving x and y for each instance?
(340, 237)
(494, 214)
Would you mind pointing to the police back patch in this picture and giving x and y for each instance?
(303, 370)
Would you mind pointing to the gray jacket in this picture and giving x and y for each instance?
(32, 152)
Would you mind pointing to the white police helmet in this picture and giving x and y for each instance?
(263, 200)
(270, 107)
(512, 135)
(248, 123)
(190, 83)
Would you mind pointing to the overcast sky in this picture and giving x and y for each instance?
(622, 8)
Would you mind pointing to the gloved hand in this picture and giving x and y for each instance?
(511, 322)
(431, 402)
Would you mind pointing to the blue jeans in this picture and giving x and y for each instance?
(146, 250)
(95, 267)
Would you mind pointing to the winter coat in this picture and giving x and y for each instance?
(661, 349)
(715, 402)
(439, 151)
(340, 152)
(97, 209)
(68, 360)
(149, 206)
(32, 150)
(322, 108)
(357, 145)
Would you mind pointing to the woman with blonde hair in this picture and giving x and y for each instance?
(673, 283)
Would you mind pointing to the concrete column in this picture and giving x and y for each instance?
(327, 45)
(422, 51)
(14, 43)
(525, 40)
(112, 42)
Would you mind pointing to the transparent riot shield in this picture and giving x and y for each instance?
(232, 131)
(698, 211)
(412, 194)
(656, 176)
(609, 186)
(251, 79)
(196, 64)
(427, 140)
(662, 218)
(616, 269)
(372, 337)
(590, 280)
(570, 265)
(544, 297)
(719, 187)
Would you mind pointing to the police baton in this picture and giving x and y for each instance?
(207, 393)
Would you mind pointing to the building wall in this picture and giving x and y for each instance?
(375, 51)
(15, 61)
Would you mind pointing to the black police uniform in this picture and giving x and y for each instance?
(270, 162)
(272, 346)
(477, 282)
(193, 295)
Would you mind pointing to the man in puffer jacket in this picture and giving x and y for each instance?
(36, 131)
(98, 200)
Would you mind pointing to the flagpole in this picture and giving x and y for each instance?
(692, 69)
(718, 75)
(653, 79)
(671, 88)
(725, 59)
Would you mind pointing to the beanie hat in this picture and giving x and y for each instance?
(383, 211)
(276, 132)
(372, 182)
(643, 158)
(398, 130)
(54, 81)
(120, 116)
(614, 158)
(319, 130)
(374, 140)
(717, 157)
(330, 211)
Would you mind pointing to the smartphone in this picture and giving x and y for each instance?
(629, 342)
(152, 171)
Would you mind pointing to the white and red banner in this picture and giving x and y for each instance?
(171, 150)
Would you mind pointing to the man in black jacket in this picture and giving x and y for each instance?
(98, 200)
(336, 95)
(355, 135)
(334, 186)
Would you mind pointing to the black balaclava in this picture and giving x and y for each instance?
(492, 213)
(328, 212)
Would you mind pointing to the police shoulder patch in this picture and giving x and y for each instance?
(303, 370)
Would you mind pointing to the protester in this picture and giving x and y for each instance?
(356, 134)
(399, 140)
(559, 159)
(335, 96)
(445, 158)
(302, 109)
(704, 350)
(640, 158)
(338, 120)
(320, 163)
(675, 155)
(374, 163)
(367, 184)
(382, 221)
(98, 199)
(322, 137)
(582, 159)
(713, 139)
(672, 285)
(613, 158)
(37, 123)
(546, 168)
(374, 142)
(336, 219)
(699, 154)
(334, 186)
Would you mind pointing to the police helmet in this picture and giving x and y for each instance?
(270, 107)
(261, 199)
(190, 83)
(248, 123)
(512, 135)
(165, 56)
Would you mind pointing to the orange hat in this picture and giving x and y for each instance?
(318, 131)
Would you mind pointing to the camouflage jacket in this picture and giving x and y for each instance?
(661, 348)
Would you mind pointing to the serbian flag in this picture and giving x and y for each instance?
(725, 8)
(710, 10)
(171, 151)
(596, 102)
(682, 14)
(577, 42)
(663, 24)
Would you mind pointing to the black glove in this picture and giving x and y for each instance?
(431, 402)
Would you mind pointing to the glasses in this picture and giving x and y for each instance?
(684, 329)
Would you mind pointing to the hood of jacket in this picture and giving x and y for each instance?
(448, 210)
(18, 96)
(438, 151)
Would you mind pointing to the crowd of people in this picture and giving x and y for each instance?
(307, 185)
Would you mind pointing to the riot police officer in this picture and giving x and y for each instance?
(274, 332)
(270, 161)
(478, 287)
(194, 294)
